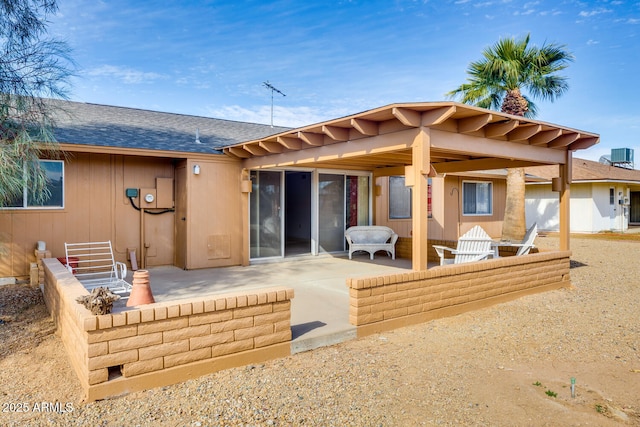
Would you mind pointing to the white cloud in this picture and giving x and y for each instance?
(592, 42)
(126, 75)
(282, 116)
(594, 12)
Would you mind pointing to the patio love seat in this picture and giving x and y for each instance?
(371, 238)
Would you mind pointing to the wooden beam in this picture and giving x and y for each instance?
(543, 138)
(365, 127)
(388, 171)
(379, 144)
(239, 152)
(437, 115)
(289, 143)
(255, 149)
(583, 143)
(479, 165)
(314, 139)
(564, 140)
(336, 133)
(473, 124)
(523, 133)
(407, 117)
(271, 146)
(493, 130)
(470, 146)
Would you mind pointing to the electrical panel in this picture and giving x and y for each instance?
(164, 192)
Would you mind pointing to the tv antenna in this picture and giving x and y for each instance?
(272, 89)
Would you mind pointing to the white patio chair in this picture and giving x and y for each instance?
(527, 241)
(94, 266)
(474, 245)
(524, 247)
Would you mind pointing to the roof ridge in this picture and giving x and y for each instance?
(145, 110)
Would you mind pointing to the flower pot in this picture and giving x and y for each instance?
(141, 289)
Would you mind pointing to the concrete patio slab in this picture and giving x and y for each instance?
(320, 307)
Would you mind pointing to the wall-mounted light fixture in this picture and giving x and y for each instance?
(196, 169)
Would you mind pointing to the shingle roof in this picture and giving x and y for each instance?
(587, 170)
(109, 126)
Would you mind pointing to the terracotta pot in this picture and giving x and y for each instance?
(141, 289)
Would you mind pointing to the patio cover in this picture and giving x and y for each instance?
(420, 140)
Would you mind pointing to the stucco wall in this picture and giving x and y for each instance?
(590, 207)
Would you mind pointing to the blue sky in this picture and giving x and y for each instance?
(335, 58)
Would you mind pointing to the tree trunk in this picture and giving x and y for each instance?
(514, 226)
(514, 103)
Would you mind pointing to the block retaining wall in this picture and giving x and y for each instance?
(382, 303)
(164, 343)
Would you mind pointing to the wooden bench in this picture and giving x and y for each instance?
(94, 266)
(371, 238)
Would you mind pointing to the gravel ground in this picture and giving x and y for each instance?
(507, 365)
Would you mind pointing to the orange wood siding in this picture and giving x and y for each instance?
(96, 208)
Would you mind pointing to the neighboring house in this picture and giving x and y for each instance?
(198, 192)
(603, 197)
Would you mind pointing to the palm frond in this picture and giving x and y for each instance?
(513, 64)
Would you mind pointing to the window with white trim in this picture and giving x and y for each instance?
(477, 198)
(54, 170)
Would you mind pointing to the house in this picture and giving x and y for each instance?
(603, 197)
(109, 150)
(198, 192)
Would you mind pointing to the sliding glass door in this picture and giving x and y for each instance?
(332, 202)
(265, 214)
(331, 212)
(343, 201)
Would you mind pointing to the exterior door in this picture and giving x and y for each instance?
(612, 208)
(634, 208)
(181, 218)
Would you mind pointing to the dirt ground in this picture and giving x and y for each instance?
(507, 365)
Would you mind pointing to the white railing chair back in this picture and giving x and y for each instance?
(93, 265)
(527, 242)
(474, 245)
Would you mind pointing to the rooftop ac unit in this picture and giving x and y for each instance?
(622, 155)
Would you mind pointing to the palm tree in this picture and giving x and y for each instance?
(496, 82)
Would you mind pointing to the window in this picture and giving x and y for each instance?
(477, 198)
(54, 169)
(400, 198)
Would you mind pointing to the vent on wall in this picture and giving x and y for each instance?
(219, 246)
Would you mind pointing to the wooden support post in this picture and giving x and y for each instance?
(419, 179)
(245, 188)
(565, 202)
